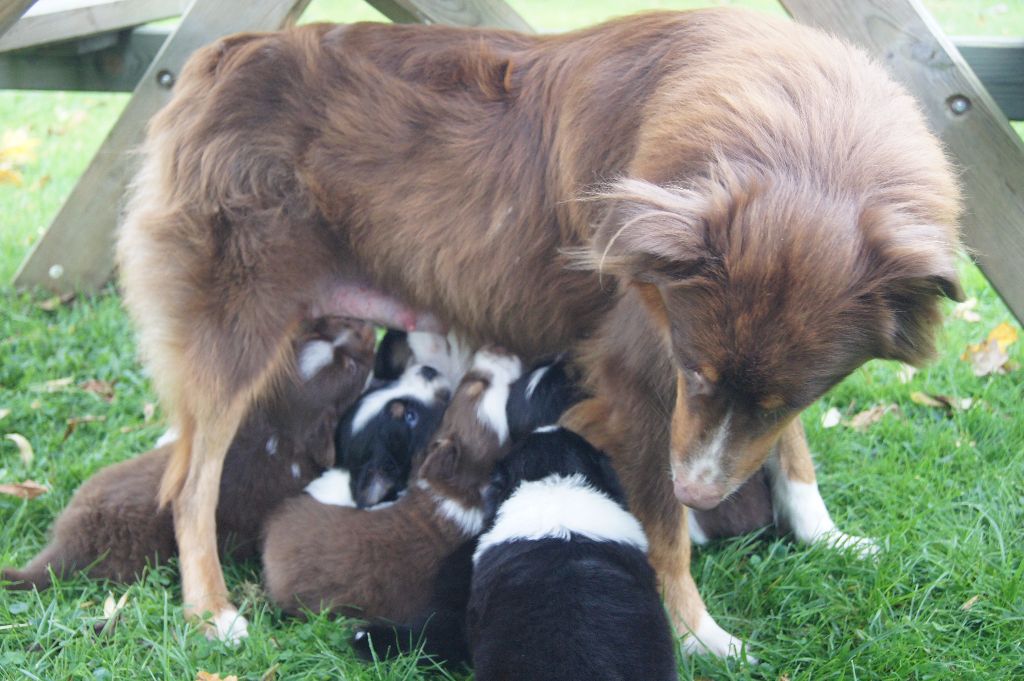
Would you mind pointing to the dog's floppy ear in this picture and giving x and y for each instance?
(443, 460)
(651, 234)
(920, 270)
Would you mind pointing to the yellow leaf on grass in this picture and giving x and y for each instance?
(24, 447)
(869, 417)
(18, 147)
(11, 176)
(111, 608)
(207, 676)
(53, 386)
(30, 489)
(969, 603)
(986, 358)
(1004, 334)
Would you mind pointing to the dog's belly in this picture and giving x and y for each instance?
(351, 298)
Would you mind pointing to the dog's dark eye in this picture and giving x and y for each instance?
(412, 417)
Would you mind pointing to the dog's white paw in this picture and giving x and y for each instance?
(709, 638)
(229, 627)
(863, 547)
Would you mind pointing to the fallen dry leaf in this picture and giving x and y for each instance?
(54, 303)
(869, 417)
(831, 418)
(30, 489)
(74, 421)
(207, 676)
(906, 373)
(111, 608)
(941, 401)
(986, 359)
(1004, 334)
(4, 413)
(24, 447)
(271, 674)
(18, 147)
(102, 389)
(969, 603)
(965, 311)
(53, 386)
(11, 176)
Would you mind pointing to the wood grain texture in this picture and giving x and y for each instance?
(51, 21)
(77, 251)
(990, 155)
(492, 13)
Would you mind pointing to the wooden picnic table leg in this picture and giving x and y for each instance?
(904, 36)
(77, 251)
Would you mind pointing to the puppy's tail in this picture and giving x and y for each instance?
(442, 638)
(37, 575)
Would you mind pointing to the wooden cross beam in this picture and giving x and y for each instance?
(975, 131)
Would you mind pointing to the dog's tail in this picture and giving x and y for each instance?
(37, 574)
(441, 638)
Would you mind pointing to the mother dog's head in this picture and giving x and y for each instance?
(767, 289)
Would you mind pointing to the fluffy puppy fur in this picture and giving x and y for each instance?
(540, 396)
(379, 437)
(561, 584)
(765, 230)
(381, 563)
(113, 527)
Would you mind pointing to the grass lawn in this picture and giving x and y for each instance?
(943, 491)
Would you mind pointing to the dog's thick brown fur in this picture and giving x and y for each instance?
(766, 211)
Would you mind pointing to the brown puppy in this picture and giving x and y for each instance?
(113, 526)
(381, 563)
(771, 230)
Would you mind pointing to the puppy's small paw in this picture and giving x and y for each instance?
(228, 627)
(709, 638)
(863, 547)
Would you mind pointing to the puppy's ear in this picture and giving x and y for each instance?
(920, 269)
(443, 460)
(651, 235)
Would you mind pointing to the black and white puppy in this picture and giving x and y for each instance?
(399, 350)
(561, 585)
(379, 437)
(541, 396)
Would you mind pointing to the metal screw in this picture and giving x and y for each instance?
(958, 104)
(56, 271)
(165, 79)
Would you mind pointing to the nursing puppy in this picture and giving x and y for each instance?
(540, 396)
(764, 231)
(561, 584)
(378, 438)
(113, 527)
(381, 563)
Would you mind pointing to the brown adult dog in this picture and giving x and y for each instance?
(382, 563)
(113, 527)
(778, 215)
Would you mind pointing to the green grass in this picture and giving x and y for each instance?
(944, 493)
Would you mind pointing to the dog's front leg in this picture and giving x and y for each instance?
(797, 503)
(204, 591)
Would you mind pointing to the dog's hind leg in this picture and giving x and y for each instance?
(796, 502)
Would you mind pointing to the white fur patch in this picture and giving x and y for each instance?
(169, 436)
(503, 370)
(411, 384)
(800, 507)
(706, 467)
(535, 378)
(469, 520)
(547, 429)
(697, 534)
(332, 488)
(314, 356)
(271, 445)
(230, 627)
(448, 354)
(557, 507)
(711, 638)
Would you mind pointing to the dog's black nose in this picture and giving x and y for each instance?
(428, 373)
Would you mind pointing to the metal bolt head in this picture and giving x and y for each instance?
(165, 79)
(56, 271)
(959, 104)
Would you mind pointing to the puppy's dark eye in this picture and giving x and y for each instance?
(412, 417)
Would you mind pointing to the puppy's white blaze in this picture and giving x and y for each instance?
(535, 378)
(697, 534)
(271, 445)
(503, 370)
(557, 507)
(446, 354)
(296, 471)
(169, 436)
(332, 488)
(469, 520)
(230, 627)
(711, 638)
(313, 357)
(410, 384)
(547, 429)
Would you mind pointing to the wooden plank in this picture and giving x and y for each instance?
(117, 67)
(76, 252)
(492, 13)
(903, 35)
(999, 65)
(50, 21)
(11, 12)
